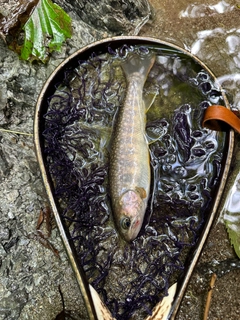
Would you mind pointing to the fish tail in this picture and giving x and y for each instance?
(138, 66)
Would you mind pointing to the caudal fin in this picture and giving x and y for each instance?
(138, 65)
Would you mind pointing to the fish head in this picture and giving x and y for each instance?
(130, 215)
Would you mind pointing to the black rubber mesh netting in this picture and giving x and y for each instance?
(185, 160)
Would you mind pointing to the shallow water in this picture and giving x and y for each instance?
(186, 163)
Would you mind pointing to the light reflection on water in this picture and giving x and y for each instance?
(218, 44)
(196, 11)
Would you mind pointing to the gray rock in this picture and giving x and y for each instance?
(117, 17)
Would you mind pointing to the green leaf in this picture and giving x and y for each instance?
(46, 29)
(231, 214)
(234, 235)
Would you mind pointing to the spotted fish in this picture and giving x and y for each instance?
(130, 160)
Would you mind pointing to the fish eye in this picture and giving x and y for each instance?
(125, 223)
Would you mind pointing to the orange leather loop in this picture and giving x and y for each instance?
(216, 118)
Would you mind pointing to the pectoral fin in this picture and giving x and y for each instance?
(149, 99)
(142, 192)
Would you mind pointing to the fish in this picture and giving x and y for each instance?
(129, 172)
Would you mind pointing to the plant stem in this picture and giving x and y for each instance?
(16, 132)
(209, 296)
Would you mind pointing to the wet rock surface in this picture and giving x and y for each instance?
(30, 274)
(112, 16)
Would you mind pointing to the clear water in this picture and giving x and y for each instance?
(186, 162)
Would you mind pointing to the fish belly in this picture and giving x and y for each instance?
(130, 164)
